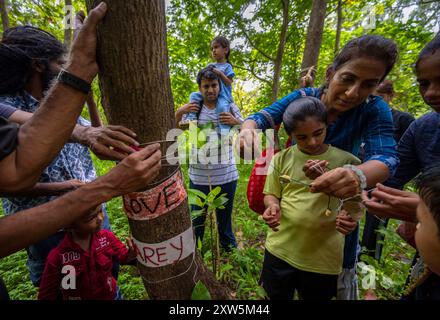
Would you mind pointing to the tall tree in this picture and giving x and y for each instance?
(135, 80)
(68, 23)
(314, 34)
(338, 25)
(4, 13)
(280, 52)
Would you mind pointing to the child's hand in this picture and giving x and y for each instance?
(272, 216)
(131, 252)
(217, 72)
(314, 168)
(344, 223)
(189, 107)
(228, 118)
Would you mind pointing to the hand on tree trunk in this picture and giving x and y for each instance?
(111, 142)
(82, 58)
(135, 171)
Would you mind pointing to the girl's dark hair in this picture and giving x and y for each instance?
(207, 74)
(301, 109)
(430, 48)
(21, 46)
(225, 44)
(368, 46)
(428, 184)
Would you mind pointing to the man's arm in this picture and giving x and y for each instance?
(32, 225)
(187, 108)
(98, 139)
(47, 189)
(42, 137)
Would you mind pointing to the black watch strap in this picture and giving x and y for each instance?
(73, 81)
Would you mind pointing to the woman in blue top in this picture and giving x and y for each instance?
(354, 116)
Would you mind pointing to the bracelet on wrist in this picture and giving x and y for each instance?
(360, 174)
(73, 81)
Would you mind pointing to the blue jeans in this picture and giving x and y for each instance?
(223, 105)
(38, 252)
(351, 249)
(224, 216)
(371, 239)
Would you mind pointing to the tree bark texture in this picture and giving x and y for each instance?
(314, 34)
(4, 13)
(338, 26)
(134, 79)
(67, 29)
(280, 52)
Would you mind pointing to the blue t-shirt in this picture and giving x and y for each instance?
(225, 90)
(418, 149)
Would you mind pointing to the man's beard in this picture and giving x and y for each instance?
(47, 78)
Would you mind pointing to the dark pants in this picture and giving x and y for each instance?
(3, 291)
(280, 280)
(224, 216)
(371, 239)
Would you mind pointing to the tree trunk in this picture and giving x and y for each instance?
(338, 26)
(281, 45)
(314, 34)
(134, 78)
(4, 12)
(69, 22)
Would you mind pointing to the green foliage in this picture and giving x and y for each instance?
(209, 204)
(393, 268)
(200, 292)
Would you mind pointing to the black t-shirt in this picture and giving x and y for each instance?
(401, 120)
(8, 137)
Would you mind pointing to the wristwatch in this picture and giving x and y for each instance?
(73, 81)
(360, 174)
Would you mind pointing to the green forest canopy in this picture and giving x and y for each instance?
(253, 26)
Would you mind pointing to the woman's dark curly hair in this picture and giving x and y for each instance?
(21, 46)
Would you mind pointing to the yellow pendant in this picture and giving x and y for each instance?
(285, 179)
(328, 213)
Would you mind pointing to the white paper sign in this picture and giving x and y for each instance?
(168, 252)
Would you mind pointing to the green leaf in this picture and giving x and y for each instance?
(215, 191)
(195, 200)
(197, 213)
(200, 292)
(219, 201)
(197, 193)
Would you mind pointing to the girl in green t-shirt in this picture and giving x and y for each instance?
(304, 248)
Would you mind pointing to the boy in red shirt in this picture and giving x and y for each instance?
(80, 266)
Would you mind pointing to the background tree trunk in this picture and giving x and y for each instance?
(4, 13)
(67, 28)
(134, 78)
(314, 34)
(338, 26)
(279, 58)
